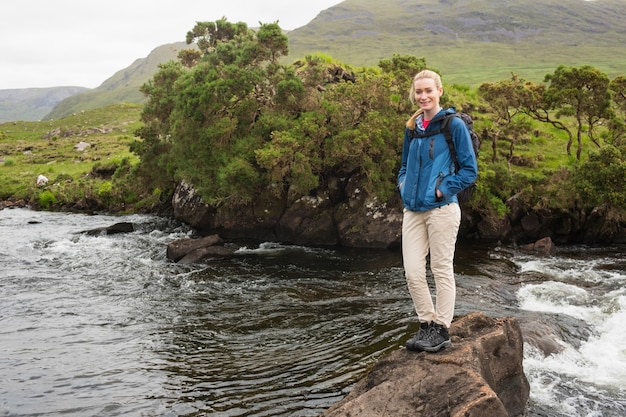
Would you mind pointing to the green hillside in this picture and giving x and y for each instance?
(32, 103)
(49, 148)
(473, 42)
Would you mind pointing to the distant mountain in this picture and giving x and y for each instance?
(32, 104)
(469, 41)
(123, 86)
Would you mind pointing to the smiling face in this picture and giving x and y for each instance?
(427, 94)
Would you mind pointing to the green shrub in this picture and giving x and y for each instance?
(47, 199)
(600, 179)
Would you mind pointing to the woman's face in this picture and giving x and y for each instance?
(427, 94)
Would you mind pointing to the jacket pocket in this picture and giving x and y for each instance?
(438, 182)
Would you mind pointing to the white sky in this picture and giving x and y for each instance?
(51, 43)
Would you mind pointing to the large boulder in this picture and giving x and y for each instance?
(308, 221)
(189, 207)
(481, 375)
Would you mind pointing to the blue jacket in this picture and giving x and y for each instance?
(427, 165)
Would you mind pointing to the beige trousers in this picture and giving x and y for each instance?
(435, 232)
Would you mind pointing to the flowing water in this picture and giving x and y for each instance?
(107, 326)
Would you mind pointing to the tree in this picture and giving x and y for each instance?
(232, 121)
(207, 35)
(158, 116)
(617, 124)
(531, 99)
(504, 99)
(582, 93)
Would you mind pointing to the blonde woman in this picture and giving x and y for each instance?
(428, 184)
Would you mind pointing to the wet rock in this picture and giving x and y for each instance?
(204, 253)
(123, 227)
(343, 214)
(480, 375)
(190, 250)
(604, 226)
(494, 228)
(543, 247)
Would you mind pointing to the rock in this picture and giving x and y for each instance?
(13, 203)
(123, 227)
(193, 250)
(481, 375)
(177, 249)
(204, 253)
(604, 226)
(308, 220)
(543, 247)
(189, 207)
(42, 180)
(81, 146)
(494, 228)
(343, 214)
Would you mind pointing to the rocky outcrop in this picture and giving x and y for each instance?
(481, 375)
(347, 218)
(13, 203)
(344, 215)
(523, 225)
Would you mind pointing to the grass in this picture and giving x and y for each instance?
(520, 37)
(30, 149)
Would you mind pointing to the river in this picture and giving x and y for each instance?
(107, 326)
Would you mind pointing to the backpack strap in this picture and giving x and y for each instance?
(447, 133)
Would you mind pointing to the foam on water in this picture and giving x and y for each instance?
(583, 290)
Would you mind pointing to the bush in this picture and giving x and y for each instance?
(47, 199)
(600, 179)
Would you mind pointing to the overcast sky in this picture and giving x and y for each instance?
(51, 43)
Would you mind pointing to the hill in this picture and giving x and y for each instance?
(31, 104)
(472, 42)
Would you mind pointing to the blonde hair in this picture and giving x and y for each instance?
(422, 74)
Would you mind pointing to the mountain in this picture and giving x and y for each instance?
(470, 42)
(123, 86)
(32, 104)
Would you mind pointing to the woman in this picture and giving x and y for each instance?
(428, 185)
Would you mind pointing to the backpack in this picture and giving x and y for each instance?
(466, 194)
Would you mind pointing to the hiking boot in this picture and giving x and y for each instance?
(411, 344)
(436, 338)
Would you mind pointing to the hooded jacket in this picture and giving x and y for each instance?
(427, 164)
